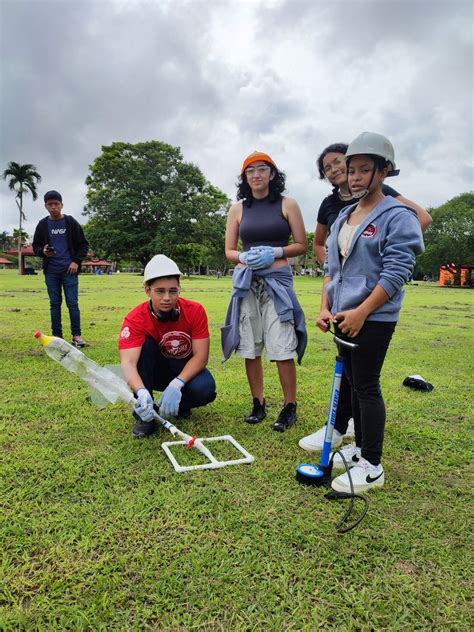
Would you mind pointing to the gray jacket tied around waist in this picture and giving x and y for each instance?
(279, 285)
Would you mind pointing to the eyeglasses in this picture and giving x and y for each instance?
(251, 171)
(159, 291)
(337, 163)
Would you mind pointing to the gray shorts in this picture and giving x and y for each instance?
(260, 326)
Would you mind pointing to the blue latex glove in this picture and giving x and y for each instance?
(171, 398)
(144, 405)
(261, 258)
(277, 250)
(243, 256)
(260, 248)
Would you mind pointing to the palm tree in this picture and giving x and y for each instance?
(22, 178)
(6, 241)
(23, 236)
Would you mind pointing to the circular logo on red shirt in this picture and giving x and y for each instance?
(370, 231)
(125, 333)
(176, 344)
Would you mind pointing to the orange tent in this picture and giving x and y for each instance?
(447, 274)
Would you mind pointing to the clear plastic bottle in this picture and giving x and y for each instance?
(100, 378)
(66, 354)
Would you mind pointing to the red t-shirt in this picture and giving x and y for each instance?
(174, 338)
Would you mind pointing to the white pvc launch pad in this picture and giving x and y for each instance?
(214, 463)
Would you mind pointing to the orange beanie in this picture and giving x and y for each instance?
(257, 155)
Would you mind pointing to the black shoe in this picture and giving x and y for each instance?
(286, 418)
(258, 413)
(143, 429)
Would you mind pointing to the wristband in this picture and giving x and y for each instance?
(279, 252)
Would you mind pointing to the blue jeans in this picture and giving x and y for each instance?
(55, 282)
(157, 372)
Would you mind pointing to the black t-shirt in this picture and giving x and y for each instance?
(332, 205)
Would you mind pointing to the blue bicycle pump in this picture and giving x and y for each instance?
(320, 475)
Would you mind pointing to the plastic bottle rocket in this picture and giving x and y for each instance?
(107, 383)
(114, 389)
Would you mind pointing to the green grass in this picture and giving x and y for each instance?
(97, 531)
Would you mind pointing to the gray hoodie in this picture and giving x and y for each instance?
(382, 252)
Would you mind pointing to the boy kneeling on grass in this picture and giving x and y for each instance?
(164, 345)
(370, 256)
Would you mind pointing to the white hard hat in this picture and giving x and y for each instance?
(375, 144)
(160, 266)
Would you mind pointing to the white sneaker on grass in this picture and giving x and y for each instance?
(364, 476)
(350, 453)
(314, 442)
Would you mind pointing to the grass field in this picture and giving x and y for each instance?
(98, 532)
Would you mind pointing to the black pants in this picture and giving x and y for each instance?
(362, 367)
(157, 372)
(344, 405)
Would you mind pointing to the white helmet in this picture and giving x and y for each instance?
(160, 266)
(375, 144)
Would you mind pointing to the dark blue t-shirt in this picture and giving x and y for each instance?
(61, 259)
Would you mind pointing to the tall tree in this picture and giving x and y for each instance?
(20, 237)
(6, 240)
(144, 199)
(21, 179)
(450, 238)
(310, 260)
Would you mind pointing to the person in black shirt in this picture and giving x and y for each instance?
(332, 167)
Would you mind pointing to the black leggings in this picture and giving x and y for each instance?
(362, 367)
(344, 406)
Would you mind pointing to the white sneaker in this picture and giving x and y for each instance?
(364, 476)
(350, 432)
(314, 442)
(351, 454)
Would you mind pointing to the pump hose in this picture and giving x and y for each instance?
(333, 495)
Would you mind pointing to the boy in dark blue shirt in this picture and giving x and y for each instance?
(60, 241)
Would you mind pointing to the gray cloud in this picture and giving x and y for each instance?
(221, 79)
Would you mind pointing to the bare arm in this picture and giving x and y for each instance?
(325, 316)
(319, 241)
(424, 217)
(232, 232)
(292, 212)
(128, 361)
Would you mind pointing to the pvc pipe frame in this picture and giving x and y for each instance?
(213, 464)
(198, 444)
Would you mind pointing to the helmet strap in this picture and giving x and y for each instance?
(362, 194)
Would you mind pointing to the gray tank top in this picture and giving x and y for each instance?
(263, 224)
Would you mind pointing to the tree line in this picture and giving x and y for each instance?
(144, 198)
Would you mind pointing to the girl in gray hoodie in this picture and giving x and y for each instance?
(370, 256)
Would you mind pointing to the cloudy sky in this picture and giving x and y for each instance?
(221, 79)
